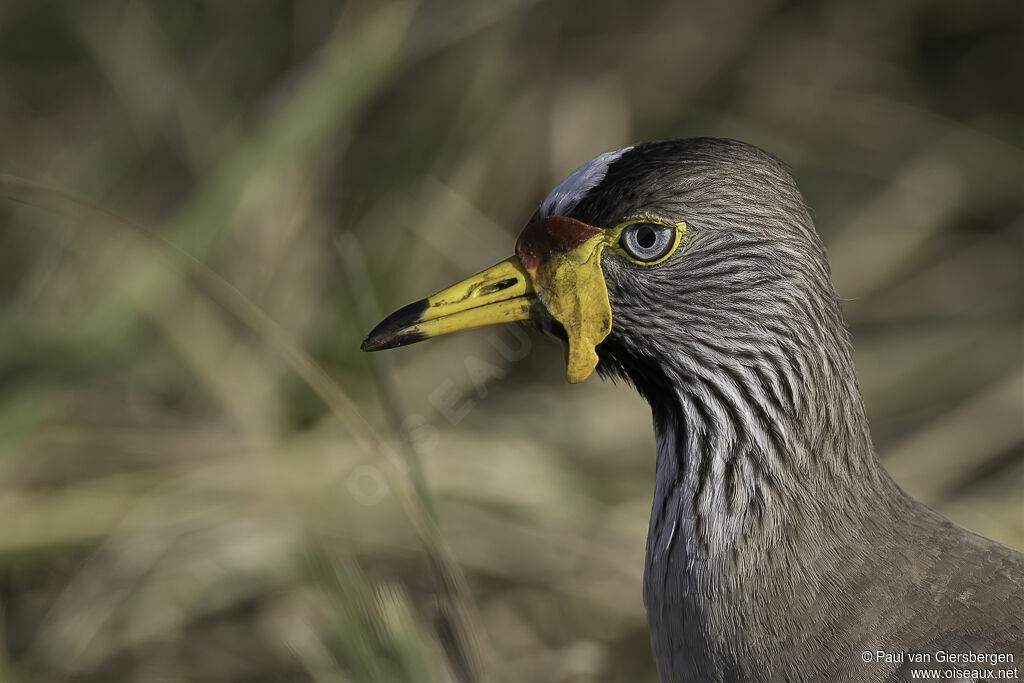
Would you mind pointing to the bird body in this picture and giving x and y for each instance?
(779, 549)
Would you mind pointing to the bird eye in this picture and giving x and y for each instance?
(647, 241)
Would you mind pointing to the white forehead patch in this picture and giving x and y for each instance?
(570, 191)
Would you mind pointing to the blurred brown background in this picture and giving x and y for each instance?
(204, 206)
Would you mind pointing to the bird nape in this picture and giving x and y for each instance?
(779, 549)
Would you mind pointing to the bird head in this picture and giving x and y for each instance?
(644, 257)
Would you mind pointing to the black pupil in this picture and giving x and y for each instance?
(645, 236)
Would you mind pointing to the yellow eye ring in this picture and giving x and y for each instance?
(616, 235)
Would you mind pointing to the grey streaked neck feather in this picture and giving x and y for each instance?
(738, 525)
(738, 522)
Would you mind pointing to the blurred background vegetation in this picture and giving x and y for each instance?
(204, 206)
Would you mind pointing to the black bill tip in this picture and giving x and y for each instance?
(393, 330)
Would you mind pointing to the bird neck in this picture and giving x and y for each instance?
(764, 485)
(757, 415)
(748, 446)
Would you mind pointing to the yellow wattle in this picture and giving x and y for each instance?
(571, 286)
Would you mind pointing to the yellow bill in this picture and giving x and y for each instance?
(503, 293)
(557, 268)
